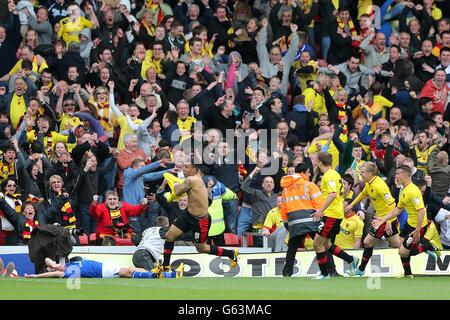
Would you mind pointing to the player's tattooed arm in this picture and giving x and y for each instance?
(183, 187)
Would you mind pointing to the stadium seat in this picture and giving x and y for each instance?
(123, 242)
(92, 239)
(231, 240)
(83, 240)
(247, 239)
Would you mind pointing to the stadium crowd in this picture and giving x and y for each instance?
(101, 101)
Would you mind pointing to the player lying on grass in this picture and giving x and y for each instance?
(95, 269)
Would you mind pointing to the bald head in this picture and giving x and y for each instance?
(442, 158)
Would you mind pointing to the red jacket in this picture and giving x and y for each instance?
(439, 96)
(104, 221)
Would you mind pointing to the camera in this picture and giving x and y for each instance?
(76, 232)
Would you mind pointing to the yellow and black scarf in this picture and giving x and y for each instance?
(28, 228)
(351, 26)
(7, 170)
(17, 202)
(342, 114)
(103, 113)
(68, 215)
(150, 29)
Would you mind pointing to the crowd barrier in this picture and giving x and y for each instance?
(253, 262)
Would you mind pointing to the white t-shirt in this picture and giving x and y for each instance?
(152, 242)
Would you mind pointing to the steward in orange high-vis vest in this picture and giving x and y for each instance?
(300, 198)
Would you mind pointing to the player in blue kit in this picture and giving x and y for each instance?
(95, 269)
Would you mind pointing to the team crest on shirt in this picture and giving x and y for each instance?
(387, 196)
(332, 183)
(197, 236)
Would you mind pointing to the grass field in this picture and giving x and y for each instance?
(228, 288)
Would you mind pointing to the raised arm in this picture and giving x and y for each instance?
(112, 102)
(261, 49)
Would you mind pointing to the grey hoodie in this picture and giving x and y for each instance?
(243, 68)
(85, 48)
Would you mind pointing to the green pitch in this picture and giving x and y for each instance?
(227, 288)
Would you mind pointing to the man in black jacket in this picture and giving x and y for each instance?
(220, 25)
(425, 62)
(220, 116)
(341, 40)
(301, 120)
(9, 40)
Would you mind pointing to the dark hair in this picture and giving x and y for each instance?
(108, 241)
(424, 100)
(172, 116)
(27, 65)
(37, 147)
(195, 39)
(5, 182)
(72, 66)
(435, 114)
(406, 169)
(376, 87)
(220, 7)
(34, 99)
(259, 89)
(396, 47)
(153, 122)
(427, 124)
(45, 118)
(325, 158)
(299, 99)
(176, 24)
(164, 143)
(301, 168)
(354, 55)
(347, 177)
(157, 42)
(401, 123)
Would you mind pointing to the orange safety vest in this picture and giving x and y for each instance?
(299, 199)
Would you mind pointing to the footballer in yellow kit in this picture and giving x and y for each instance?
(330, 214)
(380, 197)
(413, 232)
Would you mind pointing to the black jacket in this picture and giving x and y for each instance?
(216, 120)
(48, 241)
(91, 183)
(9, 46)
(226, 172)
(304, 123)
(341, 48)
(19, 220)
(68, 174)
